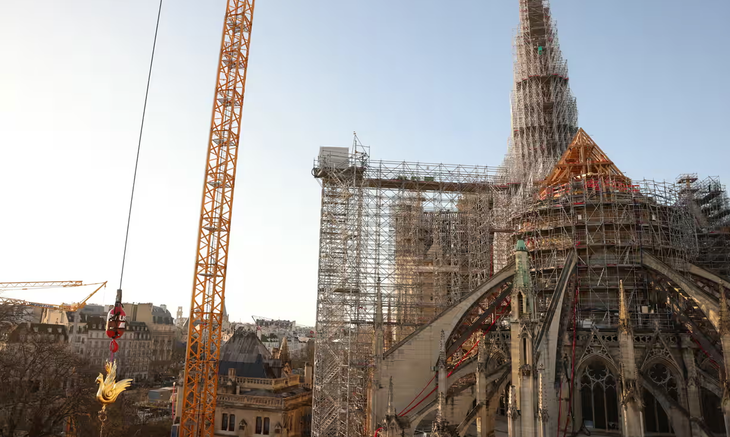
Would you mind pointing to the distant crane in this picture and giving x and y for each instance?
(46, 284)
(209, 281)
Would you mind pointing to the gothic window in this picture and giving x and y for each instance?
(656, 418)
(712, 412)
(232, 423)
(259, 421)
(598, 397)
(524, 350)
(266, 426)
(224, 422)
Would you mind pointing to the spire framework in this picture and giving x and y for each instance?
(544, 111)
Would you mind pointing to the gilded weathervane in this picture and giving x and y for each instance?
(109, 389)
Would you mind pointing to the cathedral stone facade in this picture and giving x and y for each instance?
(601, 325)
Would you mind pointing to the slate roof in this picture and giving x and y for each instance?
(244, 347)
(251, 359)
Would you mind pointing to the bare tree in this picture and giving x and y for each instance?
(123, 420)
(45, 386)
(42, 382)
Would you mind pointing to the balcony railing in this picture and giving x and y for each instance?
(259, 401)
(264, 401)
(263, 383)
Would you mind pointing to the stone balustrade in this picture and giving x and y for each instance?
(261, 401)
(264, 401)
(263, 383)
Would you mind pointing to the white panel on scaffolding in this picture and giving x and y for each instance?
(334, 157)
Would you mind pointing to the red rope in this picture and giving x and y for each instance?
(419, 394)
(714, 363)
(504, 309)
(501, 313)
(463, 358)
(419, 402)
(377, 431)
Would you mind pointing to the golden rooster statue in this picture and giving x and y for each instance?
(109, 389)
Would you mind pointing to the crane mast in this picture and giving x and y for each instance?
(206, 308)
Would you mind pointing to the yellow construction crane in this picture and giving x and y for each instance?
(5, 286)
(209, 281)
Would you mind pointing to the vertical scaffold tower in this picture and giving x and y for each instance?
(397, 230)
(544, 112)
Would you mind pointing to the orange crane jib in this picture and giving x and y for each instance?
(206, 307)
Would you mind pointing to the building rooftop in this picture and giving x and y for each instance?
(244, 347)
(58, 332)
(245, 353)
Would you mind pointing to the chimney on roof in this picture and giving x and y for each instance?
(307, 375)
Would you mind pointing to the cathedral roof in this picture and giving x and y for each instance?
(582, 160)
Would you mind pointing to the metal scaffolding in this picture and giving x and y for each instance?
(710, 208)
(544, 111)
(588, 207)
(420, 234)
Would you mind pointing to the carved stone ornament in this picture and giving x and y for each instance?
(526, 370)
(630, 392)
(596, 346)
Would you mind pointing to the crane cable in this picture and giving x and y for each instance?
(139, 143)
(116, 323)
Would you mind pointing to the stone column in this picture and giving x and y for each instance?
(522, 323)
(513, 416)
(440, 426)
(528, 412)
(693, 384)
(490, 411)
(481, 387)
(542, 412)
(631, 407)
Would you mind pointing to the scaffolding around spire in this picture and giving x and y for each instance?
(544, 111)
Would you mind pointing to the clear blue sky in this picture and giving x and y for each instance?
(418, 80)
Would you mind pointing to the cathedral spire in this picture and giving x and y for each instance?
(544, 112)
